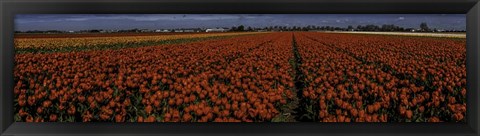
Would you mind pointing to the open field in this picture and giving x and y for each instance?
(444, 35)
(255, 77)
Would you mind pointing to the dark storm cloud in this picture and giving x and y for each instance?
(160, 21)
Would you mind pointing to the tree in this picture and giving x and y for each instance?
(386, 27)
(249, 29)
(424, 27)
(305, 28)
(94, 31)
(241, 28)
(327, 28)
(350, 28)
(360, 28)
(309, 27)
(294, 28)
(234, 28)
(371, 28)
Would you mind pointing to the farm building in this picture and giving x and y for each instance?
(163, 31)
(216, 30)
(187, 30)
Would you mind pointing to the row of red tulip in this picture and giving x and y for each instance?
(239, 79)
(411, 77)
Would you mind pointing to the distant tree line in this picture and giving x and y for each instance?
(382, 28)
(38, 31)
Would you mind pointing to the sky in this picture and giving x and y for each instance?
(75, 22)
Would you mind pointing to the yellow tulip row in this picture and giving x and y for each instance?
(52, 43)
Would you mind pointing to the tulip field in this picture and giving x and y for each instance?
(240, 77)
(81, 42)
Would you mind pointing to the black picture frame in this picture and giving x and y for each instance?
(9, 8)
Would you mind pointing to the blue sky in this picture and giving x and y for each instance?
(75, 22)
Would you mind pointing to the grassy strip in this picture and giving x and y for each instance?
(305, 108)
(120, 45)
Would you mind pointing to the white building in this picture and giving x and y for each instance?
(216, 30)
(162, 31)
